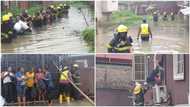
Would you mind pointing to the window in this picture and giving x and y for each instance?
(178, 67)
(139, 65)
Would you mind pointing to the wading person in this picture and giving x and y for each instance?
(121, 43)
(6, 29)
(21, 26)
(144, 31)
(64, 85)
(20, 86)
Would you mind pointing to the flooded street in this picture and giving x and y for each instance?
(167, 37)
(61, 36)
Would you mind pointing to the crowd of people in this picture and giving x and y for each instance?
(39, 85)
(13, 25)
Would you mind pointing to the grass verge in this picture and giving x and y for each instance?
(88, 36)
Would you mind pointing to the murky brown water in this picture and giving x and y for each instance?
(53, 38)
(167, 37)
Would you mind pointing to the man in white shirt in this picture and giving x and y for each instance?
(7, 78)
(21, 26)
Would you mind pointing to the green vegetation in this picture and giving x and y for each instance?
(127, 18)
(16, 10)
(88, 36)
(79, 3)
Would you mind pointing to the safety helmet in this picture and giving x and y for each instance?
(10, 14)
(65, 68)
(122, 28)
(137, 89)
(52, 6)
(5, 18)
(76, 65)
(58, 7)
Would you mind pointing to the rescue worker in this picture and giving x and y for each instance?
(165, 16)
(11, 23)
(172, 16)
(144, 31)
(121, 42)
(59, 12)
(53, 12)
(64, 84)
(76, 79)
(65, 8)
(6, 29)
(139, 94)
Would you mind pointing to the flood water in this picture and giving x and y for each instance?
(61, 36)
(168, 36)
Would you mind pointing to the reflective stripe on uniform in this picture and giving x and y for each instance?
(109, 46)
(5, 35)
(123, 48)
(144, 29)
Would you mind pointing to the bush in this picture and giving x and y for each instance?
(88, 36)
(127, 18)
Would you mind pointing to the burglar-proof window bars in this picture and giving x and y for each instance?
(139, 68)
(178, 66)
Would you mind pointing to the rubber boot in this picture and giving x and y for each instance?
(60, 98)
(68, 99)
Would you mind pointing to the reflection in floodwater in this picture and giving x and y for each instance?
(61, 36)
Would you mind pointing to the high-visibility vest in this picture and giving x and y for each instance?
(64, 75)
(144, 29)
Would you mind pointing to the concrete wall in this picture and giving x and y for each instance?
(113, 76)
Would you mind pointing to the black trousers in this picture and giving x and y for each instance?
(9, 93)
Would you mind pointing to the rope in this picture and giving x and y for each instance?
(78, 89)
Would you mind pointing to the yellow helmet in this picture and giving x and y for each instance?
(75, 65)
(5, 18)
(10, 14)
(52, 6)
(137, 89)
(60, 4)
(122, 28)
(58, 7)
